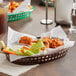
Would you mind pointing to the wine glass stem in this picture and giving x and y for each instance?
(46, 11)
(46, 14)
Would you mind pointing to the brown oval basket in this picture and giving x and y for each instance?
(39, 59)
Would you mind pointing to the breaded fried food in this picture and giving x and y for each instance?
(13, 5)
(47, 42)
(56, 43)
(26, 40)
(52, 43)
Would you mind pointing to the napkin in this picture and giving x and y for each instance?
(56, 32)
(14, 36)
(13, 69)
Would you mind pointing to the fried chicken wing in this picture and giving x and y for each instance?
(56, 43)
(47, 42)
(26, 40)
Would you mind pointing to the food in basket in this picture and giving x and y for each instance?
(26, 40)
(13, 5)
(56, 43)
(35, 46)
(24, 51)
(30, 6)
(47, 41)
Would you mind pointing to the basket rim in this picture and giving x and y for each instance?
(32, 60)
